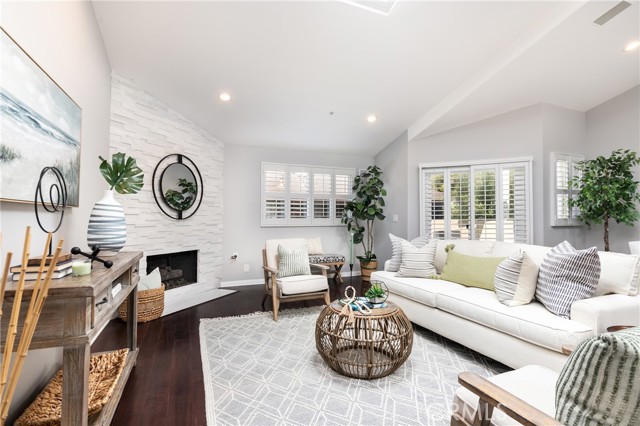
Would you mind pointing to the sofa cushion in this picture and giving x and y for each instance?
(470, 247)
(396, 250)
(418, 289)
(515, 280)
(532, 323)
(471, 271)
(299, 284)
(567, 275)
(417, 262)
(533, 384)
(620, 273)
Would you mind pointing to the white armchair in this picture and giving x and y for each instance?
(292, 288)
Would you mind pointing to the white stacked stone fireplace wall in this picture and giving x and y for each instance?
(148, 130)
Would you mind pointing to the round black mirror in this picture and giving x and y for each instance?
(177, 186)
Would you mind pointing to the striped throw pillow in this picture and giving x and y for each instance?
(293, 261)
(599, 383)
(515, 280)
(396, 250)
(418, 262)
(567, 275)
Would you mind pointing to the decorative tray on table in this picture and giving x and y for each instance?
(364, 301)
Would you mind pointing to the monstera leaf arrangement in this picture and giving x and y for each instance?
(182, 198)
(123, 174)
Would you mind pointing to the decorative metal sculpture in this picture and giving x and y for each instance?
(93, 256)
(57, 200)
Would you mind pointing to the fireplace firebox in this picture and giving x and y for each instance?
(176, 269)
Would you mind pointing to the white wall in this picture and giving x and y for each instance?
(563, 131)
(393, 160)
(242, 231)
(148, 130)
(63, 38)
(612, 125)
(514, 134)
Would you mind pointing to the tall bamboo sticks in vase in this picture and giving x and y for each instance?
(9, 374)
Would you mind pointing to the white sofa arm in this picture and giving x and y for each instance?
(604, 311)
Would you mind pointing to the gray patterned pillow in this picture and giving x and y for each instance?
(396, 250)
(293, 262)
(567, 275)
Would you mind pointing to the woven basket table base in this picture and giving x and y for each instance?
(373, 346)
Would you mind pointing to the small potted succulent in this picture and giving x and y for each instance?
(377, 293)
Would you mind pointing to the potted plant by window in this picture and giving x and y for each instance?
(607, 190)
(360, 215)
(107, 227)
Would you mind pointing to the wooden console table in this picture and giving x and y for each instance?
(75, 312)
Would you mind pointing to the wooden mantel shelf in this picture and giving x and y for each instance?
(76, 310)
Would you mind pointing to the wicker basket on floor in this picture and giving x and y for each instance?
(150, 305)
(104, 371)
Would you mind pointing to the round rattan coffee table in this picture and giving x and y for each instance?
(373, 346)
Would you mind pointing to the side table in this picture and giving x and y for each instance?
(373, 346)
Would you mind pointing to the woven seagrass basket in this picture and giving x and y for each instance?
(150, 305)
(104, 371)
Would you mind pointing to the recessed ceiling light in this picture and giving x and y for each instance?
(632, 46)
(371, 119)
(224, 97)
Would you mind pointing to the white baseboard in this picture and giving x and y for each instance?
(239, 283)
(186, 296)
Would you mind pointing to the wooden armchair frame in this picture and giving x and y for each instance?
(271, 287)
(492, 396)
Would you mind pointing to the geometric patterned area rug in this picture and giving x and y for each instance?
(260, 372)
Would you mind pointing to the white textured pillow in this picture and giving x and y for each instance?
(418, 262)
(150, 281)
(396, 250)
(293, 262)
(515, 280)
(315, 245)
(567, 275)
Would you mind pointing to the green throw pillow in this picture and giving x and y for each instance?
(471, 271)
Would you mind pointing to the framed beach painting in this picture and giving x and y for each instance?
(40, 126)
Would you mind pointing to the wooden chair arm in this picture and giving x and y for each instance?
(269, 269)
(494, 396)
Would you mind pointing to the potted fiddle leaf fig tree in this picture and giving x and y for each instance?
(107, 226)
(361, 212)
(607, 190)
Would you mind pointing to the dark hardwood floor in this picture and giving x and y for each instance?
(166, 387)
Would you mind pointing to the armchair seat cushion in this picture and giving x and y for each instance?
(300, 284)
(533, 384)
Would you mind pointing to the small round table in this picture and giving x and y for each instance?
(373, 346)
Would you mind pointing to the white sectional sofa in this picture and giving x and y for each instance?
(519, 335)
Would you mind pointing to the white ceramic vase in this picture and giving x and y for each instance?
(107, 227)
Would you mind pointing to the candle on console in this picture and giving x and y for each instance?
(79, 268)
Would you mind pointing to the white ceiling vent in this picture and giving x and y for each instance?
(612, 13)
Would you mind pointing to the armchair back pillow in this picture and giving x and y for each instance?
(293, 261)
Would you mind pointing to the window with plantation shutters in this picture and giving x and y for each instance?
(477, 201)
(295, 195)
(564, 169)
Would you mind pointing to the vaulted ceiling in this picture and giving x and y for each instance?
(305, 75)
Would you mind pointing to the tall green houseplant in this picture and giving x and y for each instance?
(607, 190)
(364, 209)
